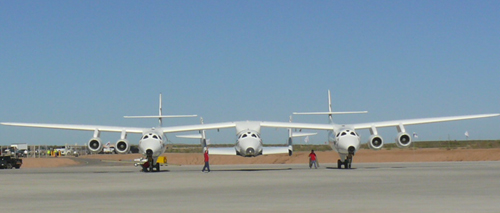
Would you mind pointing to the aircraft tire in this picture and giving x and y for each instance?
(339, 164)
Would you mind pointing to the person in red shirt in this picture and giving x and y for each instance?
(312, 160)
(206, 161)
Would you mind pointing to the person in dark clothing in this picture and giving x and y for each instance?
(207, 166)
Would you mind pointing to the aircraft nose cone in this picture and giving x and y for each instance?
(250, 151)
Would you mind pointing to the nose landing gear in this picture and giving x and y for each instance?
(150, 164)
(348, 160)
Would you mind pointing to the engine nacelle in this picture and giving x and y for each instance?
(403, 140)
(122, 146)
(375, 142)
(95, 145)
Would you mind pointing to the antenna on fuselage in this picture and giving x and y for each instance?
(330, 112)
(160, 115)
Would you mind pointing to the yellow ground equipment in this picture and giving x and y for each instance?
(162, 160)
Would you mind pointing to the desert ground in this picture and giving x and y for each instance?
(363, 156)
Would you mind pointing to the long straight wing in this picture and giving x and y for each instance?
(374, 124)
(270, 150)
(296, 125)
(222, 151)
(78, 127)
(121, 129)
(418, 121)
(198, 127)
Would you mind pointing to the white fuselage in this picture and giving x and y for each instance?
(152, 143)
(249, 144)
(344, 141)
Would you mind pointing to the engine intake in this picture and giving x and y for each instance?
(122, 146)
(95, 145)
(375, 142)
(403, 140)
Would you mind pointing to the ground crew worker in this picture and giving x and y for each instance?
(207, 166)
(312, 160)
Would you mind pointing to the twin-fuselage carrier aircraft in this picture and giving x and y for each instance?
(152, 143)
(343, 137)
(345, 140)
(153, 140)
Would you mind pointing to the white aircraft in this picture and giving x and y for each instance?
(248, 140)
(345, 140)
(151, 145)
(249, 143)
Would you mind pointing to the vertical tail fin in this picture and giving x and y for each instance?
(330, 118)
(202, 136)
(203, 139)
(160, 115)
(330, 112)
(292, 135)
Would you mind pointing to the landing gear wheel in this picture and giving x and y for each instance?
(9, 166)
(348, 162)
(157, 167)
(339, 164)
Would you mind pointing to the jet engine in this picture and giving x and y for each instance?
(122, 146)
(95, 145)
(403, 140)
(375, 142)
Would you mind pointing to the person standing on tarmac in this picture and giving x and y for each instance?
(312, 160)
(207, 166)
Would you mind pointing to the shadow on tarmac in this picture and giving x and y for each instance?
(250, 170)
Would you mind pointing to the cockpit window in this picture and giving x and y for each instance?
(244, 136)
(343, 133)
(145, 137)
(352, 133)
(253, 135)
(155, 137)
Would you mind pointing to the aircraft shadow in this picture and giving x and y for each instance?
(330, 167)
(394, 167)
(98, 172)
(249, 170)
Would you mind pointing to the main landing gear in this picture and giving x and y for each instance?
(346, 163)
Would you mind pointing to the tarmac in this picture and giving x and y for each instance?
(368, 187)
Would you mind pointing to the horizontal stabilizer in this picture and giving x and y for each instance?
(329, 113)
(195, 136)
(222, 151)
(302, 134)
(270, 150)
(163, 116)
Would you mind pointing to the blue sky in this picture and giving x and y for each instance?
(92, 62)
